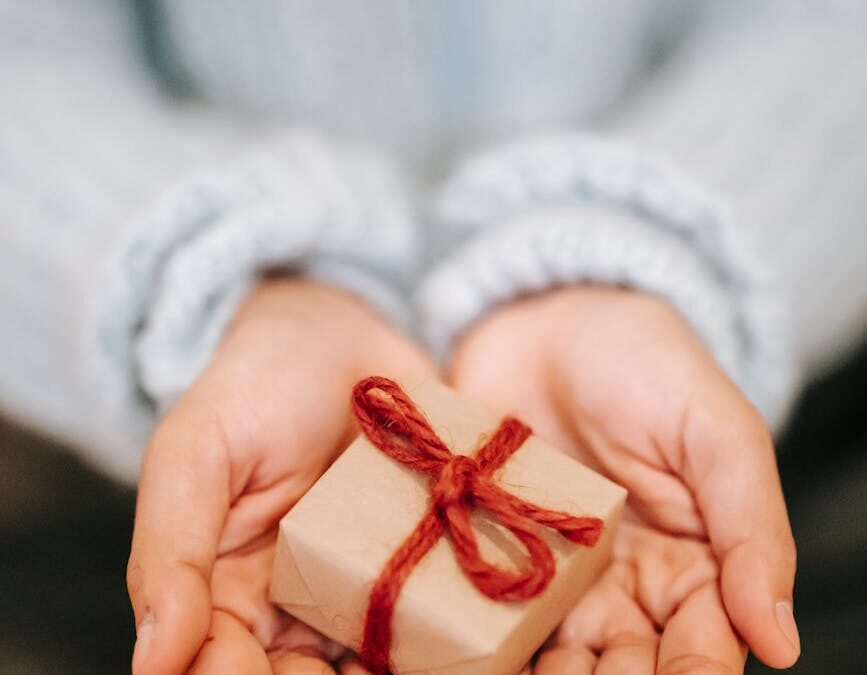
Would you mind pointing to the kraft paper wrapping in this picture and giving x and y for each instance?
(333, 544)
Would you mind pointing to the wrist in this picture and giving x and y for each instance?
(331, 313)
(298, 298)
(542, 213)
(540, 316)
(545, 328)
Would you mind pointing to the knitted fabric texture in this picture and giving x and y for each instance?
(106, 311)
(567, 208)
(332, 211)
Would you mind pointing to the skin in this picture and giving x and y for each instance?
(705, 561)
(702, 566)
(236, 452)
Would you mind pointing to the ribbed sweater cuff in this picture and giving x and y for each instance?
(571, 208)
(303, 204)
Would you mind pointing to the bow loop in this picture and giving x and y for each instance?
(393, 423)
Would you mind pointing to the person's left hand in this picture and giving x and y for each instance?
(704, 558)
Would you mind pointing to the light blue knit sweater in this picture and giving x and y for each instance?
(438, 157)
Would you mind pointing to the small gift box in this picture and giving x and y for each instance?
(443, 541)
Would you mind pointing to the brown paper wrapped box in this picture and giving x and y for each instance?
(333, 544)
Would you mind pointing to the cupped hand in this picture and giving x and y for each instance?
(232, 456)
(705, 560)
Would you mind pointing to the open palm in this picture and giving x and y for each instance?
(704, 560)
(235, 453)
(705, 557)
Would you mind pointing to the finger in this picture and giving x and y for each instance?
(699, 638)
(301, 663)
(628, 653)
(666, 569)
(351, 666)
(729, 461)
(606, 611)
(298, 643)
(182, 502)
(239, 586)
(229, 649)
(300, 649)
(574, 660)
(656, 495)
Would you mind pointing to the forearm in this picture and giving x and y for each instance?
(85, 142)
(721, 190)
(136, 225)
(574, 208)
(770, 114)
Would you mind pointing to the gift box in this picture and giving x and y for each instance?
(425, 563)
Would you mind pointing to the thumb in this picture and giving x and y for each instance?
(182, 503)
(731, 466)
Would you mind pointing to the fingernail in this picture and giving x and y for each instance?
(788, 627)
(144, 636)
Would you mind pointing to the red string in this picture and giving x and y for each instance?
(393, 423)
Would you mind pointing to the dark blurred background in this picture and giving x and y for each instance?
(64, 534)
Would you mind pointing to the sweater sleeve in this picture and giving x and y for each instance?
(134, 224)
(733, 187)
(768, 111)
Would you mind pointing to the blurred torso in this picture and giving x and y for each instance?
(419, 77)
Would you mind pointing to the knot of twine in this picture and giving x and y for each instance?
(455, 483)
(393, 423)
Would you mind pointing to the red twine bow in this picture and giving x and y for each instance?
(393, 423)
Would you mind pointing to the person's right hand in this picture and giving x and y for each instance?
(244, 443)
